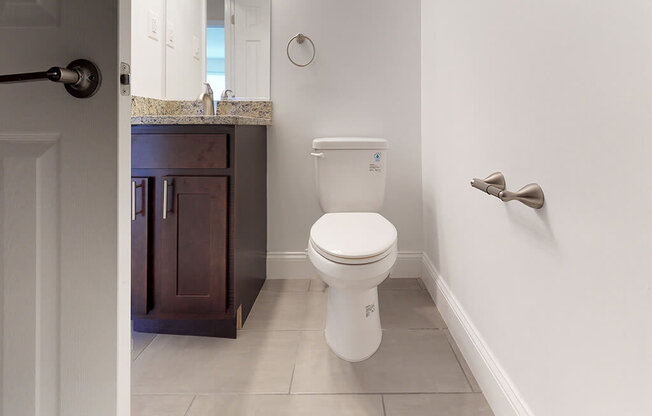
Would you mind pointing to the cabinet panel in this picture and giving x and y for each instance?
(193, 243)
(140, 245)
(191, 273)
(179, 151)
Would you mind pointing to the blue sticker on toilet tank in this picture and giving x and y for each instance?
(377, 156)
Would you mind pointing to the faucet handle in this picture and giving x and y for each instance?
(225, 95)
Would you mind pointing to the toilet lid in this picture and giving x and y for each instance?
(353, 235)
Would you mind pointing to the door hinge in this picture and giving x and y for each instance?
(232, 19)
(125, 79)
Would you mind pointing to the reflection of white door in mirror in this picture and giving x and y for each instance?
(223, 42)
(248, 47)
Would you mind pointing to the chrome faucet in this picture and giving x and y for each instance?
(225, 95)
(206, 97)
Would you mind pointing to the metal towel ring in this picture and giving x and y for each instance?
(300, 39)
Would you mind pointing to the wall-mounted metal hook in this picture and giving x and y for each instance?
(494, 184)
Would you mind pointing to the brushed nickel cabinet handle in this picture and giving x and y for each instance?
(133, 200)
(165, 199)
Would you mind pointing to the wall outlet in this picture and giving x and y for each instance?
(170, 35)
(153, 25)
(196, 52)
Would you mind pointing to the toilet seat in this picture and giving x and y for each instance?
(344, 260)
(353, 237)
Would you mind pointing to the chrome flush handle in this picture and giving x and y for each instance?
(317, 154)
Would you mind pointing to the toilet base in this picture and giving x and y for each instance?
(353, 330)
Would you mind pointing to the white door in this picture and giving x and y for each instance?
(249, 48)
(64, 213)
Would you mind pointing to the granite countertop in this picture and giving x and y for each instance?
(232, 112)
(185, 119)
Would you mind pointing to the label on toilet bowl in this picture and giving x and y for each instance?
(369, 309)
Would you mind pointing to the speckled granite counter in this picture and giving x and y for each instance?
(168, 112)
(169, 120)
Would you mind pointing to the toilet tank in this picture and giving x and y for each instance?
(350, 173)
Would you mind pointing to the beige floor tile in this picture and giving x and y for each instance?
(160, 405)
(406, 362)
(256, 362)
(408, 309)
(288, 405)
(399, 284)
(286, 285)
(141, 341)
(287, 310)
(465, 366)
(471, 404)
(317, 285)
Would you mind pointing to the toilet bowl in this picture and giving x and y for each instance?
(353, 253)
(352, 247)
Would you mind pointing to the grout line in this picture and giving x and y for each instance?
(458, 362)
(382, 399)
(294, 367)
(146, 346)
(190, 405)
(418, 329)
(321, 329)
(235, 393)
(282, 330)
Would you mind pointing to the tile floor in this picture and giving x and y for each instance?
(280, 364)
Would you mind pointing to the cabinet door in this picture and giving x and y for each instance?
(140, 243)
(192, 257)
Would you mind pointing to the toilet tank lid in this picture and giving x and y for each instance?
(350, 143)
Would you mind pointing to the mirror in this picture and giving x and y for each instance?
(177, 45)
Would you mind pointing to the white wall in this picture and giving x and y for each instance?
(166, 72)
(147, 54)
(185, 71)
(559, 93)
(364, 82)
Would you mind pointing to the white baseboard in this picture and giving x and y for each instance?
(408, 265)
(296, 265)
(496, 385)
(289, 265)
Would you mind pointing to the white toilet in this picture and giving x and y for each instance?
(352, 246)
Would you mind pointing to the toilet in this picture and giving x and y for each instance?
(352, 247)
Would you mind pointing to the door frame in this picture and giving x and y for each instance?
(123, 391)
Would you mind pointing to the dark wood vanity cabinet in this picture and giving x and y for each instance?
(198, 227)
